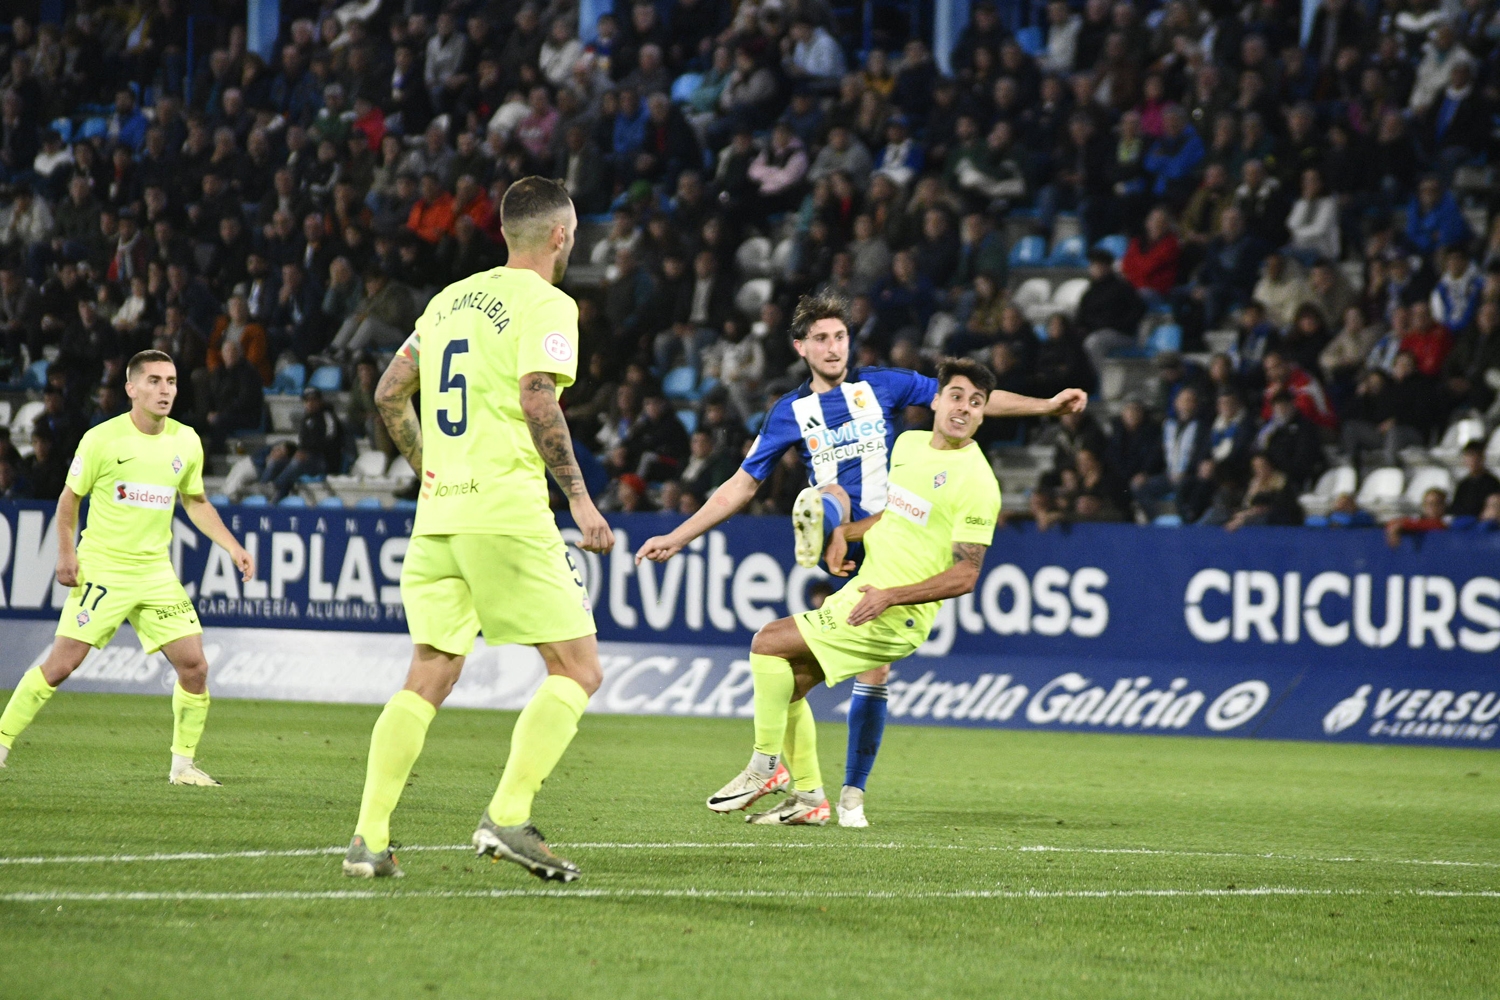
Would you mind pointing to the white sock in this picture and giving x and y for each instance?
(813, 797)
(851, 797)
(180, 764)
(763, 765)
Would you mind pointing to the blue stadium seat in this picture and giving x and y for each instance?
(332, 502)
(255, 500)
(1029, 251)
(329, 378)
(404, 505)
(219, 499)
(291, 500)
(64, 129)
(684, 85)
(96, 127)
(1167, 337)
(367, 503)
(688, 419)
(1070, 252)
(289, 381)
(1116, 245)
(36, 375)
(1031, 39)
(1315, 521)
(680, 383)
(1168, 521)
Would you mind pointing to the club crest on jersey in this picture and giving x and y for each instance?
(939, 479)
(859, 399)
(176, 463)
(83, 618)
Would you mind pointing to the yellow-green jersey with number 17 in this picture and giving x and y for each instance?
(473, 343)
(132, 480)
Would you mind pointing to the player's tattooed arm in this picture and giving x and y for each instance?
(393, 399)
(969, 554)
(549, 432)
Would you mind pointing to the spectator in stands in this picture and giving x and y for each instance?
(1455, 299)
(1281, 373)
(1433, 219)
(1428, 341)
(1388, 412)
(1109, 311)
(1434, 517)
(44, 470)
(1150, 262)
(1267, 498)
(319, 449)
(1291, 442)
(230, 397)
(236, 325)
(1313, 222)
(1477, 485)
(1185, 443)
(382, 321)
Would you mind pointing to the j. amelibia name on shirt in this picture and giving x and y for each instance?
(479, 301)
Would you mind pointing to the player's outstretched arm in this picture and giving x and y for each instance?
(203, 514)
(728, 500)
(549, 432)
(393, 399)
(838, 543)
(955, 581)
(67, 529)
(1011, 404)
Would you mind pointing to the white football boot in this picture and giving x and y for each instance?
(807, 526)
(797, 809)
(747, 787)
(852, 807)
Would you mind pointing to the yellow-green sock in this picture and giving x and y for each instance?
(189, 716)
(395, 745)
(544, 730)
(25, 701)
(801, 747)
(774, 684)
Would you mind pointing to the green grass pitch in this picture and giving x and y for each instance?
(999, 864)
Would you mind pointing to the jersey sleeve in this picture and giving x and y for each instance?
(777, 434)
(549, 340)
(191, 483)
(908, 388)
(977, 508)
(84, 469)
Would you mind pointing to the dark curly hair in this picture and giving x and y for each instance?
(823, 305)
(982, 377)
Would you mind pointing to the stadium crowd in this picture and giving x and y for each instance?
(1330, 204)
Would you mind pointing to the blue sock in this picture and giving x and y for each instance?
(833, 514)
(866, 726)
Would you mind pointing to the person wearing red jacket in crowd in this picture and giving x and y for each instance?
(1429, 341)
(1150, 262)
(1434, 517)
(431, 215)
(1284, 374)
(470, 199)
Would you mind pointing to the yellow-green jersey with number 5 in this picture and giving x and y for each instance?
(485, 554)
(473, 343)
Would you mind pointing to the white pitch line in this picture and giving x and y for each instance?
(730, 894)
(307, 852)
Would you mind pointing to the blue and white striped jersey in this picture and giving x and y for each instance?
(845, 434)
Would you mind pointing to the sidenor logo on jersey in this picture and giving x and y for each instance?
(908, 505)
(147, 495)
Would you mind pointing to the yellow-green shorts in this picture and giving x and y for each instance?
(513, 588)
(845, 650)
(150, 598)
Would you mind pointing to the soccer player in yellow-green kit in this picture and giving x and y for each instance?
(490, 355)
(928, 544)
(132, 468)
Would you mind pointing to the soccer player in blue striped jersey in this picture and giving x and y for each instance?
(843, 422)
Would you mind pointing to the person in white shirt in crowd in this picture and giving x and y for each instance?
(1455, 298)
(1441, 53)
(445, 56)
(814, 55)
(1063, 27)
(560, 52)
(27, 219)
(1314, 222)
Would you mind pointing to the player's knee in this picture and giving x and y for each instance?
(193, 675)
(589, 677)
(64, 658)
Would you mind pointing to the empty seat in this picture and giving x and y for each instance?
(1068, 294)
(292, 500)
(684, 85)
(5, 412)
(752, 295)
(36, 375)
(1070, 252)
(1115, 244)
(1426, 478)
(255, 500)
(1458, 434)
(1166, 337)
(400, 468)
(1341, 479)
(679, 383)
(367, 503)
(331, 502)
(369, 464)
(328, 378)
(1492, 450)
(289, 380)
(688, 419)
(219, 499)
(1029, 251)
(1032, 292)
(1031, 40)
(25, 420)
(754, 257)
(1381, 488)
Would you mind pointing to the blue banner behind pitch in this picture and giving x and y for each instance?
(1285, 633)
